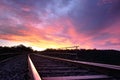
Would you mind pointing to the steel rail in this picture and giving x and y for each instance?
(33, 74)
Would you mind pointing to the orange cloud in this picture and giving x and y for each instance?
(59, 34)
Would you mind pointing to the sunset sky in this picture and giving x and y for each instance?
(60, 23)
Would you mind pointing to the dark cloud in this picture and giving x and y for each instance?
(12, 30)
(89, 17)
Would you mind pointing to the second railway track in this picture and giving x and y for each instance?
(51, 69)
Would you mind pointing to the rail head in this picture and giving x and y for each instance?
(32, 70)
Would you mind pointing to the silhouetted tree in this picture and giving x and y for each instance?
(16, 49)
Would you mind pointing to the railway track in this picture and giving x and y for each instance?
(52, 69)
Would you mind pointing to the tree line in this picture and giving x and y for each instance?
(15, 49)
